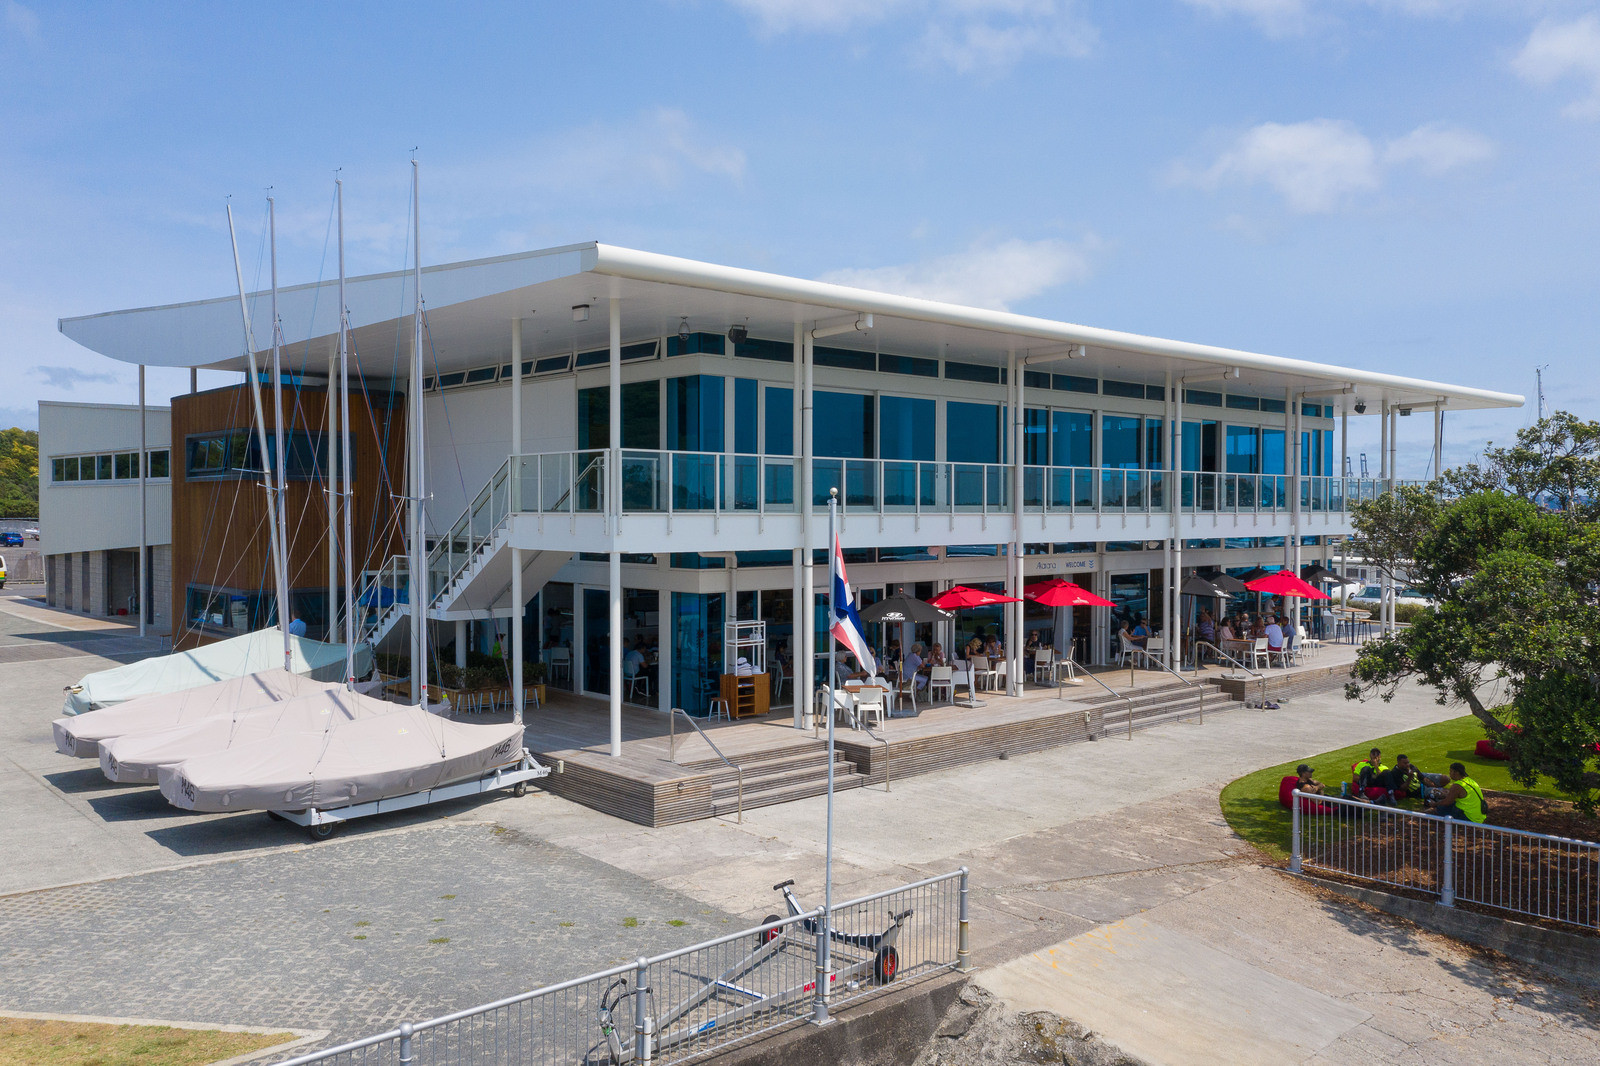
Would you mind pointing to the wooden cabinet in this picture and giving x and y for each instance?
(747, 696)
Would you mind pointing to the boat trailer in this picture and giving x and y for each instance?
(859, 958)
(323, 823)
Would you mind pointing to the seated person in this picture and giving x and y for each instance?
(1227, 632)
(1405, 779)
(1308, 783)
(1206, 627)
(1462, 798)
(848, 671)
(1141, 633)
(936, 656)
(1287, 625)
(975, 645)
(992, 648)
(1364, 773)
(1030, 649)
(913, 671)
(633, 662)
(1274, 634)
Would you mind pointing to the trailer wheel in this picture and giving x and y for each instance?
(886, 965)
(770, 935)
(519, 789)
(322, 830)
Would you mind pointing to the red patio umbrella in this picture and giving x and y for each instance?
(1284, 583)
(1059, 593)
(961, 596)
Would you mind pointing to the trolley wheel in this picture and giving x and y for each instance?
(322, 830)
(276, 817)
(886, 965)
(771, 934)
(519, 789)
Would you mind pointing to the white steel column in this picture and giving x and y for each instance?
(806, 609)
(416, 546)
(1297, 420)
(800, 683)
(1174, 437)
(614, 505)
(1014, 569)
(461, 643)
(144, 536)
(514, 479)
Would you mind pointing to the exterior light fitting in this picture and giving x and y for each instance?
(580, 312)
(738, 334)
(1361, 407)
(683, 330)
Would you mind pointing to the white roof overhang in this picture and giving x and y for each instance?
(470, 306)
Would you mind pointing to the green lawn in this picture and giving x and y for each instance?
(1251, 806)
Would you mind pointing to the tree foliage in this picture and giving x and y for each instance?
(19, 473)
(1517, 588)
(1555, 463)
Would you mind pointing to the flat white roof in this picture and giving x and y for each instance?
(470, 306)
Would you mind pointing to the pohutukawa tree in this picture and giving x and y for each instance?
(1509, 551)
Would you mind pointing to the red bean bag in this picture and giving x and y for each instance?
(1485, 749)
(1307, 806)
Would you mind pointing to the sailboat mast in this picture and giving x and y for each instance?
(418, 550)
(255, 396)
(345, 479)
(277, 414)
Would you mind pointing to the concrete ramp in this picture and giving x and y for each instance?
(1173, 1000)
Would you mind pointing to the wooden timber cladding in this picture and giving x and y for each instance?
(219, 525)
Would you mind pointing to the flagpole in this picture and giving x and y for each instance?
(825, 936)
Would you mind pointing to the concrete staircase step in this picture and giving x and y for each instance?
(726, 808)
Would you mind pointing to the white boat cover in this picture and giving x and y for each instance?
(134, 758)
(81, 735)
(407, 750)
(235, 657)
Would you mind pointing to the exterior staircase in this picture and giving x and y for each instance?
(788, 773)
(1153, 705)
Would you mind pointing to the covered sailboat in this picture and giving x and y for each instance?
(234, 658)
(81, 735)
(356, 761)
(135, 758)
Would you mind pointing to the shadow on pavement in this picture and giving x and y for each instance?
(89, 779)
(147, 802)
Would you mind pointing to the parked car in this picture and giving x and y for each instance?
(1371, 595)
(11, 539)
(31, 534)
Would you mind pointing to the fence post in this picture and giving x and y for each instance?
(819, 1002)
(1294, 835)
(1447, 876)
(963, 953)
(641, 1016)
(405, 1044)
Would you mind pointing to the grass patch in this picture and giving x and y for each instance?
(361, 936)
(362, 924)
(1251, 806)
(440, 940)
(676, 922)
(566, 925)
(44, 1043)
(451, 896)
(630, 923)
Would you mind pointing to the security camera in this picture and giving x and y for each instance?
(1361, 407)
(738, 334)
(683, 330)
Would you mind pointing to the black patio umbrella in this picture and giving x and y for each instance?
(1322, 573)
(904, 609)
(1226, 582)
(1199, 586)
(1255, 573)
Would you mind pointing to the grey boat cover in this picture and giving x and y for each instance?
(235, 657)
(134, 758)
(81, 735)
(358, 761)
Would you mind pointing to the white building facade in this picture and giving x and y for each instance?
(89, 509)
(627, 451)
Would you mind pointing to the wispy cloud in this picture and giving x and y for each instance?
(1277, 18)
(19, 417)
(1556, 51)
(988, 274)
(1320, 165)
(1290, 18)
(67, 378)
(21, 21)
(969, 36)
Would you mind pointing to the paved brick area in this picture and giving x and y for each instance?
(351, 935)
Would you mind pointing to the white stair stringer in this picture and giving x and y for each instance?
(483, 586)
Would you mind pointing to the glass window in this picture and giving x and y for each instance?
(906, 428)
(1242, 450)
(745, 413)
(781, 557)
(1035, 379)
(480, 375)
(102, 467)
(971, 372)
(1244, 403)
(552, 363)
(1119, 441)
(972, 432)
(597, 640)
(842, 425)
(1327, 453)
(780, 421)
(1072, 442)
(771, 351)
(207, 456)
(641, 416)
(1074, 383)
(844, 358)
(1204, 399)
(697, 649)
(908, 364)
(124, 466)
(1272, 459)
(696, 344)
(1035, 436)
(58, 470)
(1130, 389)
(695, 561)
(1272, 405)
(160, 464)
(694, 413)
(1200, 445)
(69, 469)
(1154, 452)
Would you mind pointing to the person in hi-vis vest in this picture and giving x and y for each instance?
(1462, 798)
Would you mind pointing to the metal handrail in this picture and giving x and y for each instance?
(1090, 675)
(1148, 657)
(672, 749)
(1259, 677)
(867, 729)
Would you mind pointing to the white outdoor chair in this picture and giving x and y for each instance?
(870, 703)
(982, 671)
(1125, 650)
(1259, 656)
(889, 688)
(777, 681)
(1044, 662)
(1068, 664)
(560, 662)
(636, 679)
(942, 677)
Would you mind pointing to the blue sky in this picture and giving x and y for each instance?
(1405, 185)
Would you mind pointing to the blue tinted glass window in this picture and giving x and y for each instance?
(1208, 399)
(842, 425)
(1036, 436)
(1074, 383)
(1242, 457)
(1072, 441)
(1272, 452)
(845, 358)
(1154, 453)
(972, 432)
(1272, 405)
(695, 344)
(772, 351)
(971, 372)
(1119, 441)
(780, 421)
(1122, 388)
(694, 413)
(905, 428)
(908, 364)
(745, 391)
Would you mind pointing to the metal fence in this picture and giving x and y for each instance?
(683, 1005)
(1507, 869)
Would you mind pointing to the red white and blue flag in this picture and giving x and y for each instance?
(847, 628)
